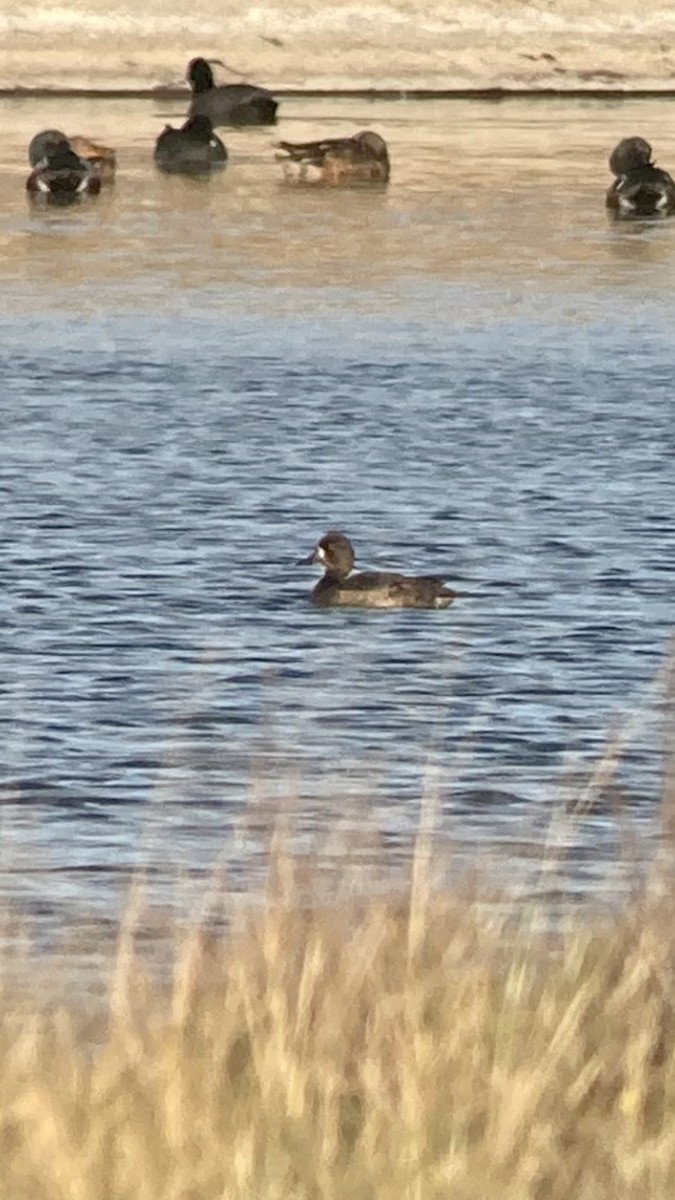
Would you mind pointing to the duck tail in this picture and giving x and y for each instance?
(445, 596)
(266, 109)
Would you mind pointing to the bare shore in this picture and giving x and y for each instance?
(568, 45)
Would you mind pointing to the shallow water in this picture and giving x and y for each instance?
(471, 373)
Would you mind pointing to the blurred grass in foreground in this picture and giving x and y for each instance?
(426, 1045)
(417, 1043)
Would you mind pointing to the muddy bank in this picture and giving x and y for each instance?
(398, 44)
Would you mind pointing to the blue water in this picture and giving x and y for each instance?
(198, 381)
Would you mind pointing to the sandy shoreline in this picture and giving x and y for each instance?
(390, 45)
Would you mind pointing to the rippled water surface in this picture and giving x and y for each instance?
(471, 373)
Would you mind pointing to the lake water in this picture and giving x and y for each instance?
(470, 373)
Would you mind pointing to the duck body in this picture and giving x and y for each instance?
(640, 189)
(62, 176)
(370, 589)
(194, 149)
(228, 103)
(337, 162)
(101, 159)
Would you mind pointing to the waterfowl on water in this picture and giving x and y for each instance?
(194, 149)
(62, 176)
(102, 159)
(640, 189)
(369, 589)
(227, 103)
(337, 162)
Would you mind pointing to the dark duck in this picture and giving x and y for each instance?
(640, 188)
(102, 159)
(338, 587)
(62, 177)
(194, 149)
(228, 103)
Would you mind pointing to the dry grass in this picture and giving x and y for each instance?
(422, 1047)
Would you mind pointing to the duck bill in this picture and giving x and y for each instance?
(306, 562)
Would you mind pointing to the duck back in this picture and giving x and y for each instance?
(383, 589)
(192, 150)
(235, 104)
(62, 176)
(646, 191)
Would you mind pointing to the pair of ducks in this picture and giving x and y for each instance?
(195, 149)
(640, 188)
(67, 168)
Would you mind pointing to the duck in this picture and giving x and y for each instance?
(369, 589)
(229, 103)
(102, 159)
(62, 176)
(640, 188)
(336, 162)
(194, 149)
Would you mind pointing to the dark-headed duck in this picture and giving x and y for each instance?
(102, 159)
(370, 589)
(194, 149)
(228, 103)
(640, 188)
(62, 176)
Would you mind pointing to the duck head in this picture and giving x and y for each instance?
(335, 552)
(631, 153)
(199, 129)
(199, 74)
(42, 143)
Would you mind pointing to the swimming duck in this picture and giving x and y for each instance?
(102, 159)
(230, 103)
(369, 589)
(194, 149)
(62, 176)
(363, 158)
(640, 189)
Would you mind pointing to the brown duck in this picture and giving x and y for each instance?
(336, 162)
